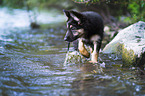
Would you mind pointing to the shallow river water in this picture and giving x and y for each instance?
(32, 64)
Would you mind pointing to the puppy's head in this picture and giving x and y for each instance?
(74, 25)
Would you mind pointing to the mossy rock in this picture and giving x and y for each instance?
(74, 57)
(130, 44)
(128, 56)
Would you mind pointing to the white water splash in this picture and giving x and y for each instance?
(20, 18)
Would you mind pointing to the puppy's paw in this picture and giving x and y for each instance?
(94, 62)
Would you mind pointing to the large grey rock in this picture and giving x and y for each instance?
(130, 44)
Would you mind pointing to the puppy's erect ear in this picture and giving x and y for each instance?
(67, 13)
(76, 15)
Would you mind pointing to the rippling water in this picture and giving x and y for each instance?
(31, 64)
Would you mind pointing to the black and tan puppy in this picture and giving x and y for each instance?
(85, 28)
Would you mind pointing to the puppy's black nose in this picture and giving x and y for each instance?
(69, 36)
(68, 39)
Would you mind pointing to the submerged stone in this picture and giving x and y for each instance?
(74, 57)
(130, 44)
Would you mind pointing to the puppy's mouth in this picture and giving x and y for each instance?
(73, 37)
(73, 34)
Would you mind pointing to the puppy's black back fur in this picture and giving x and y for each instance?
(92, 24)
(87, 28)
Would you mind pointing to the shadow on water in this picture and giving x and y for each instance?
(31, 64)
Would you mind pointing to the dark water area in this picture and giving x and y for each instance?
(32, 64)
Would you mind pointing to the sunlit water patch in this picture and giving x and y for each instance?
(13, 18)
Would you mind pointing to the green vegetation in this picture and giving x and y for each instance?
(128, 57)
(35, 3)
(113, 11)
(135, 8)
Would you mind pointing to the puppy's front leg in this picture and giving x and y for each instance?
(82, 49)
(95, 54)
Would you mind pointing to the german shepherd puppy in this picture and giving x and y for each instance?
(85, 28)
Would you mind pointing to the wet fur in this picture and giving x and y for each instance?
(88, 30)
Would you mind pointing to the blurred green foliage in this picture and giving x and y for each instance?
(131, 10)
(136, 8)
(35, 3)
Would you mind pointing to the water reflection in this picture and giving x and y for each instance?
(109, 82)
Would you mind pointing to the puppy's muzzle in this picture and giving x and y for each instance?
(68, 39)
(69, 36)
